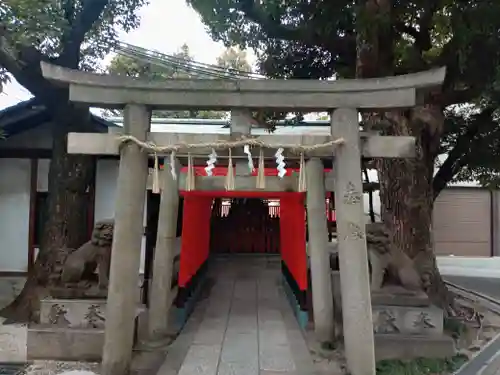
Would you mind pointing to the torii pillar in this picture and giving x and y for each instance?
(321, 284)
(121, 307)
(160, 300)
(353, 254)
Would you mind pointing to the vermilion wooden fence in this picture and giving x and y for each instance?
(244, 226)
(252, 225)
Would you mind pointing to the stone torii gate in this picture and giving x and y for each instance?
(343, 98)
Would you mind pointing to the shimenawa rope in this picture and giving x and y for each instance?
(226, 145)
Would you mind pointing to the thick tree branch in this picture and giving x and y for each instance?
(73, 38)
(449, 53)
(340, 45)
(422, 33)
(457, 157)
(425, 25)
(452, 165)
(69, 11)
(23, 62)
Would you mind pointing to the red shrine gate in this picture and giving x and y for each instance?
(196, 227)
(215, 222)
(210, 228)
(196, 232)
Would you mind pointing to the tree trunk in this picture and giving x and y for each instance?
(70, 177)
(406, 195)
(407, 198)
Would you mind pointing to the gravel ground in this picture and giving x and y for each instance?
(62, 368)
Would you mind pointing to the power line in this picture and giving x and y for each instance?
(189, 66)
(193, 63)
(170, 64)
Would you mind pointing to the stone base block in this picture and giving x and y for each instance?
(407, 347)
(73, 313)
(64, 344)
(396, 313)
(408, 320)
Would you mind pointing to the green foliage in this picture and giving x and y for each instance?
(472, 139)
(51, 25)
(421, 366)
(234, 58)
(123, 65)
(321, 39)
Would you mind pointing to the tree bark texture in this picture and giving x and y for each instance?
(406, 193)
(70, 177)
(407, 198)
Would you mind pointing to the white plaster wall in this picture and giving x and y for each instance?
(14, 214)
(105, 189)
(105, 196)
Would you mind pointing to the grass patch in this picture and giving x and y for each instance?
(421, 366)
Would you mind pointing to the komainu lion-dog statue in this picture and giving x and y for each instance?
(81, 264)
(389, 266)
(388, 263)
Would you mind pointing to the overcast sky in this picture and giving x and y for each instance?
(165, 26)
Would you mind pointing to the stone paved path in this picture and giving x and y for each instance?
(245, 326)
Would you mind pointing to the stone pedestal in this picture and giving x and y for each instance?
(408, 320)
(406, 325)
(69, 330)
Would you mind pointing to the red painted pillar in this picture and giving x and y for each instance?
(195, 240)
(293, 237)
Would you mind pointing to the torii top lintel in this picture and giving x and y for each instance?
(112, 91)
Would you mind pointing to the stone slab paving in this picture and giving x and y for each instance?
(245, 327)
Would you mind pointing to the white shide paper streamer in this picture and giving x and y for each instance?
(173, 172)
(212, 159)
(246, 150)
(280, 162)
